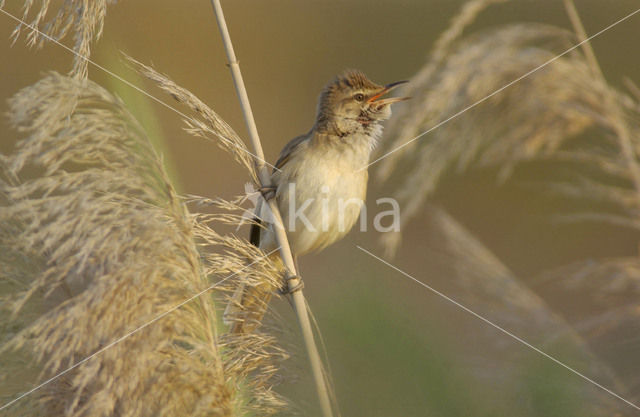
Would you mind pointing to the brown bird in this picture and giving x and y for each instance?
(320, 180)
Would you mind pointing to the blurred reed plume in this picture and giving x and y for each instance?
(463, 267)
(609, 313)
(96, 243)
(563, 118)
(100, 256)
(84, 17)
(564, 112)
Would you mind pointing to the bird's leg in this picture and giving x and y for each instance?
(268, 191)
(300, 285)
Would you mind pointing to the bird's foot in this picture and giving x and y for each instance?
(268, 191)
(287, 289)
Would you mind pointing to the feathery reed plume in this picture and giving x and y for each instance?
(84, 17)
(463, 268)
(565, 114)
(207, 123)
(535, 119)
(442, 46)
(95, 245)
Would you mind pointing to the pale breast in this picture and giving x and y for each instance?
(321, 192)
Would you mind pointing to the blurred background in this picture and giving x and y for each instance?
(495, 245)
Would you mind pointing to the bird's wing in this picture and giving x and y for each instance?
(288, 150)
(285, 155)
(254, 233)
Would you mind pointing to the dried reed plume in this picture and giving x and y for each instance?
(98, 230)
(96, 243)
(207, 123)
(543, 117)
(465, 269)
(565, 114)
(84, 17)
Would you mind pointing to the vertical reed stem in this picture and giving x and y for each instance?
(280, 234)
(578, 27)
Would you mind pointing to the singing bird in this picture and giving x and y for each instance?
(320, 180)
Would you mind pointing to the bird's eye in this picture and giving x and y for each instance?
(358, 97)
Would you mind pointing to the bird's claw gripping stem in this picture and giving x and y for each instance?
(288, 290)
(268, 191)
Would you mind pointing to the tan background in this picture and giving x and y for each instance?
(395, 348)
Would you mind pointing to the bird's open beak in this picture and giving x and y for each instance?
(376, 98)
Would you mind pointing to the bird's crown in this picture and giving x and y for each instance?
(342, 85)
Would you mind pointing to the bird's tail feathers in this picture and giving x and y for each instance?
(248, 304)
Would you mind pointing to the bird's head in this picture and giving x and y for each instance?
(352, 101)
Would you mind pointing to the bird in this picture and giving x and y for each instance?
(319, 181)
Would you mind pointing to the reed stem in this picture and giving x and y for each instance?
(280, 234)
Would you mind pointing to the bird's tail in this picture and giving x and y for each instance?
(248, 305)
